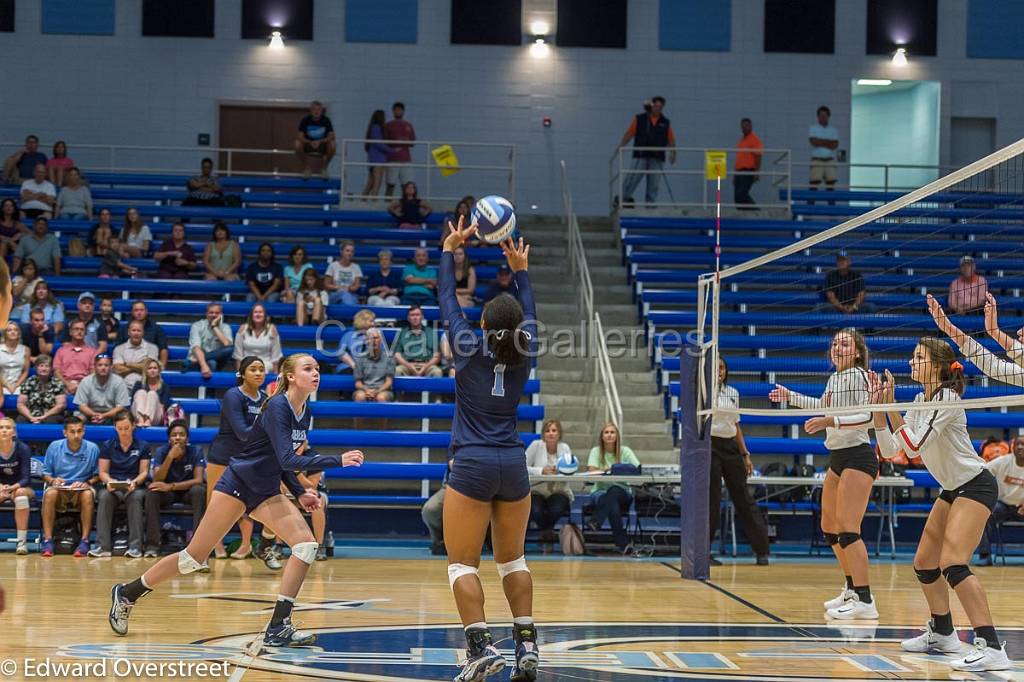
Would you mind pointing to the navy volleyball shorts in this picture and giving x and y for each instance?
(233, 485)
(487, 474)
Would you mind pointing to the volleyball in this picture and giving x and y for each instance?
(567, 465)
(495, 218)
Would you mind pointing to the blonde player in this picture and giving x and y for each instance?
(851, 473)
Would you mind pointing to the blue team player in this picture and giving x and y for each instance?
(277, 447)
(489, 483)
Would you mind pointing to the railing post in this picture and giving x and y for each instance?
(886, 177)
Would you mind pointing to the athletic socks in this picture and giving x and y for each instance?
(988, 633)
(849, 582)
(22, 536)
(478, 638)
(523, 620)
(282, 610)
(135, 590)
(863, 593)
(942, 625)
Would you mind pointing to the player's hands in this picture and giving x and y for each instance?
(941, 320)
(991, 314)
(310, 501)
(816, 424)
(302, 448)
(779, 394)
(459, 234)
(889, 388)
(874, 388)
(352, 458)
(517, 255)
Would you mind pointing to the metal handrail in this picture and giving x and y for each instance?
(613, 406)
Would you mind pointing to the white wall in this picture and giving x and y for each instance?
(134, 90)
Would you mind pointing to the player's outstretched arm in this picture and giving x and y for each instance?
(518, 256)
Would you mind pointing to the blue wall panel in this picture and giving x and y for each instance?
(79, 17)
(374, 21)
(994, 29)
(695, 25)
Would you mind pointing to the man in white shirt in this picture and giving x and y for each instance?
(824, 141)
(344, 278)
(131, 356)
(1009, 473)
(38, 195)
(210, 341)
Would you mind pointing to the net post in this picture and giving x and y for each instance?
(694, 467)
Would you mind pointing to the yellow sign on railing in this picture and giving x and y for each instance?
(444, 157)
(714, 164)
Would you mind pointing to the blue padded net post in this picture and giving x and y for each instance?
(695, 468)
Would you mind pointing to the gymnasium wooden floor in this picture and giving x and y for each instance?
(395, 620)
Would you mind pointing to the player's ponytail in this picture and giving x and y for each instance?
(951, 372)
(507, 341)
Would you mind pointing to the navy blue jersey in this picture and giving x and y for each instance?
(16, 469)
(124, 464)
(487, 393)
(268, 457)
(237, 415)
(181, 469)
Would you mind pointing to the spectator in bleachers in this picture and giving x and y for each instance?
(110, 326)
(311, 301)
(258, 337)
(21, 163)
(210, 341)
(967, 292)
(75, 358)
(151, 331)
(375, 370)
(318, 517)
(610, 500)
(204, 189)
(747, 163)
(410, 210)
(465, 278)
(16, 479)
(130, 357)
(100, 234)
(11, 228)
(549, 501)
(135, 235)
(344, 278)
(123, 470)
(177, 472)
(353, 341)
(463, 209)
(38, 195)
(1009, 472)
(420, 280)
(416, 353)
(41, 246)
(74, 202)
(824, 140)
(447, 357)
(400, 133)
(151, 396)
(649, 129)
(432, 514)
(43, 397)
(69, 472)
(24, 283)
(315, 138)
(102, 395)
(844, 290)
(43, 299)
(377, 154)
(298, 263)
(15, 358)
(503, 284)
(223, 256)
(176, 256)
(112, 263)
(37, 334)
(94, 336)
(384, 286)
(58, 165)
(264, 276)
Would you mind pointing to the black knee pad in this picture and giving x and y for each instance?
(831, 539)
(927, 575)
(956, 574)
(847, 539)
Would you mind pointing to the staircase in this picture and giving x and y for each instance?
(569, 391)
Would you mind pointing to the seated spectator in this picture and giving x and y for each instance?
(135, 235)
(311, 302)
(844, 290)
(38, 195)
(223, 256)
(211, 343)
(420, 280)
(967, 292)
(123, 470)
(102, 395)
(375, 370)
(74, 202)
(16, 479)
(43, 397)
(315, 481)
(177, 471)
(610, 500)
(41, 246)
(43, 299)
(416, 353)
(110, 325)
(23, 285)
(432, 514)
(130, 357)
(465, 278)
(112, 264)
(15, 359)
(297, 265)
(385, 285)
(447, 357)
(75, 358)
(60, 164)
(1009, 472)
(315, 138)
(410, 210)
(94, 336)
(548, 501)
(503, 284)
(463, 209)
(20, 165)
(37, 334)
(204, 189)
(264, 276)
(11, 228)
(344, 278)
(176, 256)
(152, 332)
(377, 154)
(258, 337)
(100, 234)
(993, 447)
(353, 341)
(151, 397)
(70, 469)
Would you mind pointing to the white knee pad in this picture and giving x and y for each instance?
(456, 571)
(186, 564)
(305, 551)
(513, 566)
(21, 502)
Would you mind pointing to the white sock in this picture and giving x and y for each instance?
(267, 535)
(523, 620)
(476, 626)
(142, 579)
(22, 535)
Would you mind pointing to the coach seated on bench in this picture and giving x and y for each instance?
(124, 469)
(1009, 473)
(70, 470)
(177, 471)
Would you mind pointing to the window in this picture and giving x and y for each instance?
(800, 26)
(584, 23)
(489, 22)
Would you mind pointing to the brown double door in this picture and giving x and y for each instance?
(245, 126)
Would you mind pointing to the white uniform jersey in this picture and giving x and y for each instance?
(844, 389)
(1010, 477)
(1000, 370)
(724, 425)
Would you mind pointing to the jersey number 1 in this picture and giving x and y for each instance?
(498, 390)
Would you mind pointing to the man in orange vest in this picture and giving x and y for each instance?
(748, 163)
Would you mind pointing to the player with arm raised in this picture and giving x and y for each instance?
(983, 359)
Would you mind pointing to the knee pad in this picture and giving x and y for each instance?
(927, 575)
(513, 566)
(456, 571)
(21, 502)
(305, 551)
(956, 574)
(831, 539)
(186, 564)
(847, 539)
